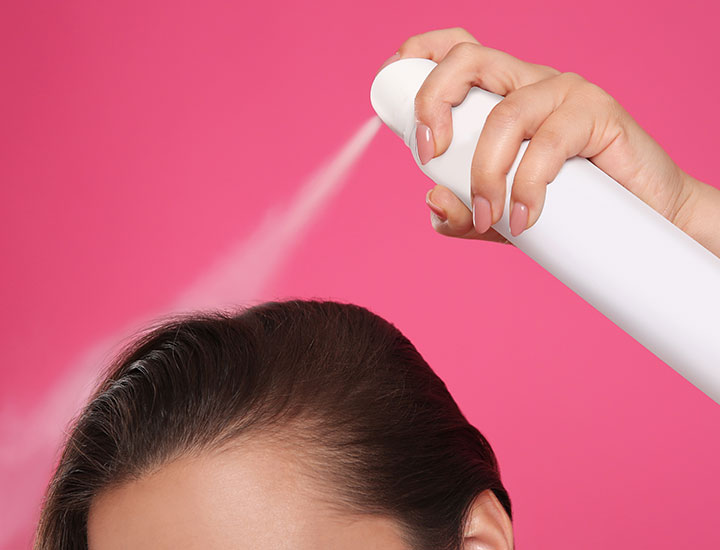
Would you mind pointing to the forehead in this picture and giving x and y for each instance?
(249, 497)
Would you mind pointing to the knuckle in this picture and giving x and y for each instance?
(601, 98)
(571, 77)
(485, 181)
(425, 102)
(423, 99)
(462, 31)
(411, 44)
(552, 71)
(591, 94)
(550, 139)
(465, 50)
(463, 35)
(506, 113)
(528, 189)
(482, 173)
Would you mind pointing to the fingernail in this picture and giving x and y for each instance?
(434, 207)
(482, 214)
(389, 60)
(518, 219)
(426, 147)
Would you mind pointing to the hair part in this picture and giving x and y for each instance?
(380, 426)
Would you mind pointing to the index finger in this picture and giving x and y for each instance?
(435, 45)
(467, 65)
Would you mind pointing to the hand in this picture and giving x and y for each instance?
(563, 114)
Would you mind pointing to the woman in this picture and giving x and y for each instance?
(299, 424)
(314, 424)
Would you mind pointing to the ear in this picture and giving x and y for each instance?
(488, 526)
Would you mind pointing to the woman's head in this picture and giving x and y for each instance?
(298, 424)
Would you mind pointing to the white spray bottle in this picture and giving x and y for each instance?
(642, 272)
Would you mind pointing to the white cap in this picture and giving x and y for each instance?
(393, 92)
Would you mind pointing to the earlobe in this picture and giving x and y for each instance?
(488, 526)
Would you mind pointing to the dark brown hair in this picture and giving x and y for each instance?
(392, 438)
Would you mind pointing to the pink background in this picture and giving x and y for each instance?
(143, 142)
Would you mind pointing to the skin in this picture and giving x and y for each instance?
(254, 496)
(563, 115)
